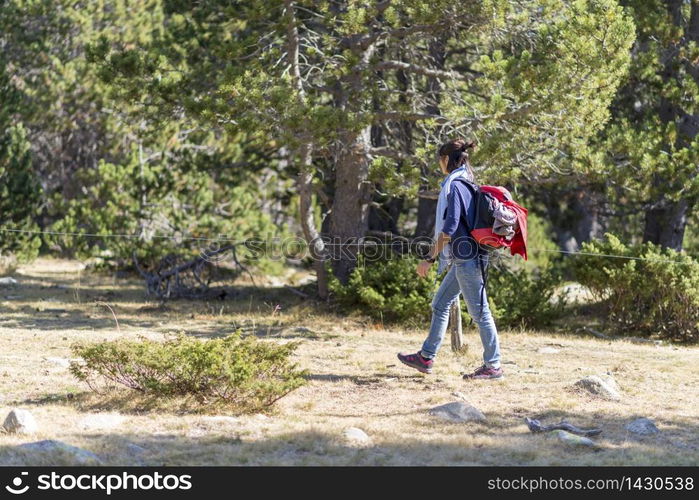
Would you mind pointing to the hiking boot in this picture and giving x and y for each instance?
(485, 373)
(416, 361)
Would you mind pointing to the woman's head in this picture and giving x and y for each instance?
(454, 154)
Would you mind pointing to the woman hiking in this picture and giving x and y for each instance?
(456, 248)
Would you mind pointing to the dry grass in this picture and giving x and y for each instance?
(356, 381)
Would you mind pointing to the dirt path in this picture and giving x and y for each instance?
(356, 381)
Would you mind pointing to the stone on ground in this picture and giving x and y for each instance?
(642, 426)
(62, 362)
(59, 450)
(573, 440)
(135, 449)
(604, 387)
(221, 419)
(20, 421)
(355, 435)
(100, 421)
(458, 411)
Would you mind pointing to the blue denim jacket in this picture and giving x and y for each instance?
(461, 215)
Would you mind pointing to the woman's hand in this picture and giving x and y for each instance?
(423, 268)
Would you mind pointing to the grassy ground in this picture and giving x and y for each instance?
(355, 381)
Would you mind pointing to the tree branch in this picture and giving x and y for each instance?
(364, 40)
(422, 70)
(389, 152)
(398, 116)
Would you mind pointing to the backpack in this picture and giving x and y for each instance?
(487, 198)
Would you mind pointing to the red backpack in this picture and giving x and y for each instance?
(487, 198)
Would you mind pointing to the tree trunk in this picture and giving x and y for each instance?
(305, 156)
(350, 213)
(384, 217)
(456, 328)
(426, 214)
(589, 226)
(427, 201)
(353, 191)
(665, 225)
(315, 243)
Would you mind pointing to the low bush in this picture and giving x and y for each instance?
(524, 297)
(386, 289)
(245, 373)
(390, 290)
(646, 289)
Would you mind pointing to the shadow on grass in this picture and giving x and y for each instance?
(66, 304)
(501, 440)
(246, 441)
(363, 379)
(129, 402)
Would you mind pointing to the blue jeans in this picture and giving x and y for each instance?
(464, 276)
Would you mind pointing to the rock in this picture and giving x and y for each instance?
(643, 426)
(680, 444)
(221, 419)
(136, 453)
(99, 421)
(8, 281)
(602, 386)
(135, 449)
(639, 340)
(548, 350)
(20, 422)
(573, 440)
(73, 454)
(458, 411)
(576, 293)
(355, 435)
(62, 362)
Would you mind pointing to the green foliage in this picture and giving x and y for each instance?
(542, 251)
(63, 102)
(20, 191)
(525, 298)
(647, 155)
(523, 293)
(652, 291)
(552, 73)
(520, 294)
(541, 66)
(20, 194)
(387, 289)
(245, 373)
(691, 237)
(168, 205)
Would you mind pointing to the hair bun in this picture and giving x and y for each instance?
(467, 145)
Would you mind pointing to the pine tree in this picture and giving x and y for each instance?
(20, 192)
(653, 140)
(530, 80)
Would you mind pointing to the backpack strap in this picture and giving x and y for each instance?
(475, 191)
(473, 187)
